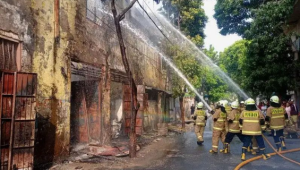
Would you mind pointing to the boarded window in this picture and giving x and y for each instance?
(8, 55)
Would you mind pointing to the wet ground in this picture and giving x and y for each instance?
(191, 156)
(181, 152)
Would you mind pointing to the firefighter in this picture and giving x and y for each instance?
(276, 119)
(233, 125)
(242, 106)
(252, 121)
(219, 131)
(200, 122)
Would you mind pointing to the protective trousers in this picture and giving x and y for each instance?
(230, 136)
(215, 138)
(259, 139)
(276, 135)
(278, 139)
(199, 130)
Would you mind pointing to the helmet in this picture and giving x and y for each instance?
(242, 102)
(274, 99)
(200, 105)
(250, 102)
(224, 103)
(235, 104)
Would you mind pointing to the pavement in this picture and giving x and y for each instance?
(190, 156)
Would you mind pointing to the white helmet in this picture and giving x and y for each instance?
(242, 102)
(275, 99)
(235, 104)
(200, 105)
(224, 103)
(250, 101)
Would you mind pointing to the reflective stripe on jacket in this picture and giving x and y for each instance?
(200, 119)
(234, 115)
(251, 122)
(221, 122)
(277, 119)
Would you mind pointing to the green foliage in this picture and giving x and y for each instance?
(211, 53)
(232, 61)
(189, 15)
(266, 64)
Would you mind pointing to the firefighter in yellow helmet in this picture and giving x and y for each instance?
(200, 122)
(276, 119)
(251, 121)
(233, 125)
(219, 131)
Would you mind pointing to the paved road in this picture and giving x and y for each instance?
(188, 155)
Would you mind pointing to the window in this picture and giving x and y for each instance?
(9, 55)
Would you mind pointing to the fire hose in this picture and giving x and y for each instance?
(274, 153)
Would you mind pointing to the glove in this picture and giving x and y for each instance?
(194, 117)
(268, 126)
(241, 121)
(212, 112)
(261, 121)
(230, 121)
(267, 119)
(215, 119)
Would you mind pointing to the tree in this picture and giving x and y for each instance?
(232, 61)
(189, 66)
(268, 62)
(235, 16)
(212, 54)
(189, 16)
(134, 103)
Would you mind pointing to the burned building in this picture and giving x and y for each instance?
(63, 82)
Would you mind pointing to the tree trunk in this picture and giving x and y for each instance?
(182, 112)
(134, 103)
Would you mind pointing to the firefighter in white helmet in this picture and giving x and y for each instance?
(219, 131)
(276, 119)
(200, 122)
(252, 121)
(233, 125)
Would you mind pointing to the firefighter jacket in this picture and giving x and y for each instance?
(251, 122)
(220, 120)
(200, 117)
(233, 121)
(242, 109)
(228, 109)
(276, 117)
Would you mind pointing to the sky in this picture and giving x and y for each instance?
(211, 31)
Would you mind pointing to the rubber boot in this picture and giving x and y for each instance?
(278, 145)
(249, 149)
(282, 143)
(213, 151)
(226, 148)
(253, 151)
(223, 150)
(264, 155)
(243, 156)
(200, 142)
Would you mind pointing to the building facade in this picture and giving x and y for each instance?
(69, 54)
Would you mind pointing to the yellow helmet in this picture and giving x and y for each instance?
(200, 105)
(275, 99)
(235, 104)
(250, 101)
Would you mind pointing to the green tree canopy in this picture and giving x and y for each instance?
(190, 15)
(267, 66)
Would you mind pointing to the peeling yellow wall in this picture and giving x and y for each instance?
(52, 64)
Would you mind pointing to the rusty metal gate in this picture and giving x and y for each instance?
(17, 114)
